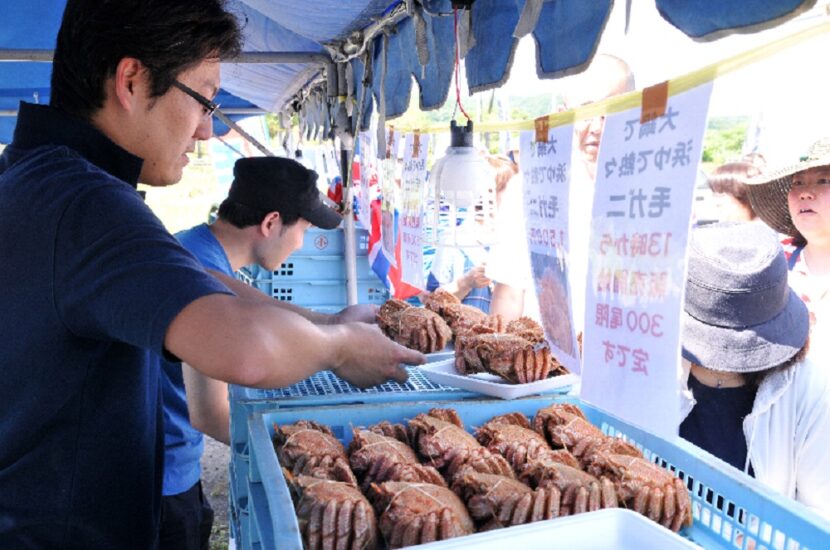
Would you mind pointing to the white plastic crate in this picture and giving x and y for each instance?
(730, 509)
(615, 528)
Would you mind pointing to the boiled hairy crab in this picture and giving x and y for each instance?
(527, 328)
(510, 436)
(506, 355)
(441, 441)
(580, 491)
(375, 458)
(460, 317)
(417, 513)
(564, 426)
(310, 448)
(414, 327)
(439, 299)
(498, 501)
(646, 488)
(332, 514)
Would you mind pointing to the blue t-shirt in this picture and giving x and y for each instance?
(183, 444)
(91, 281)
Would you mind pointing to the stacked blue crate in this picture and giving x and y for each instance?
(312, 277)
(315, 275)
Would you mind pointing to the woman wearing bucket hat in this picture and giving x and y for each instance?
(755, 400)
(795, 201)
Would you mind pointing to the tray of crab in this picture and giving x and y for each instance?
(421, 476)
(444, 329)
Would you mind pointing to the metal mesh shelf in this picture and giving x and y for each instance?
(328, 383)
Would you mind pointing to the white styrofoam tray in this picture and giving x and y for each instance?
(615, 528)
(443, 372)
(446, 353)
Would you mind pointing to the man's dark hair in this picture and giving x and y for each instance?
(167, 36)
(242, 216)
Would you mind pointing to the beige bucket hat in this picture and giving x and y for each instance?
(768, 192)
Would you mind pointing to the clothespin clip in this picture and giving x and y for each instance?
(655, 100)
(542, 125)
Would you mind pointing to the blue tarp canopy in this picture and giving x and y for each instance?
(421, 47)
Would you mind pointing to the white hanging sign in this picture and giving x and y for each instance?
(636, 261)
(390, 197)
(368, 187)
(546, 177)
(413, 196)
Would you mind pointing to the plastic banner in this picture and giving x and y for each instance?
(637, 265)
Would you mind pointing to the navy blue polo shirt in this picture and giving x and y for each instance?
(90, 282)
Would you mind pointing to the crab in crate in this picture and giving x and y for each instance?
(376, 457)
(506, 355)
(580, 491)
(440, 439)
(414, 327)
(417, 513)
(510, 436)
(310, 448)
(332, 514)
(646, 488)
(496, 501)
(564, 426)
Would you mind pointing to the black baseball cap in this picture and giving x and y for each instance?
(278, 184)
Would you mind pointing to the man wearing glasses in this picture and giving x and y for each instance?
(93, 283)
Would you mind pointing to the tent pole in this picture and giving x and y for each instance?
(350, 233)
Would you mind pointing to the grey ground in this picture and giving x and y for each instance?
(215, 484)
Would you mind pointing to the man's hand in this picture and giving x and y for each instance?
(361, 313)
(369, 358)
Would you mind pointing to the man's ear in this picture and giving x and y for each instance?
(130, 83)
(271, 222)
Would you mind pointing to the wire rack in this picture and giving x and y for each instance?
(328, 383)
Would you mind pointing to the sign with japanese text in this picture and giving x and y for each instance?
(413, 195)
(637, 261)
(368, 187)
(390, 197)
(546, 178)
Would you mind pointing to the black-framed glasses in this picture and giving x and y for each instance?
(208, 106)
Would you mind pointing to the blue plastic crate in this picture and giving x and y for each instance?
(326, 388)
(313, 268)
(322, 293)
(730, 509)
(325, 242)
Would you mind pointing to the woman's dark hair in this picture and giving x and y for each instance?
(167, 36)
(729, 178)
(242, 216)
(755, 378)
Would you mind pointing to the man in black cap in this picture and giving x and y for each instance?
(271, 203)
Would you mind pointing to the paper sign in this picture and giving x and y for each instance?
(546, 174)
(636, 269)
(413, 196)
(367, 188)
(390, 200)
